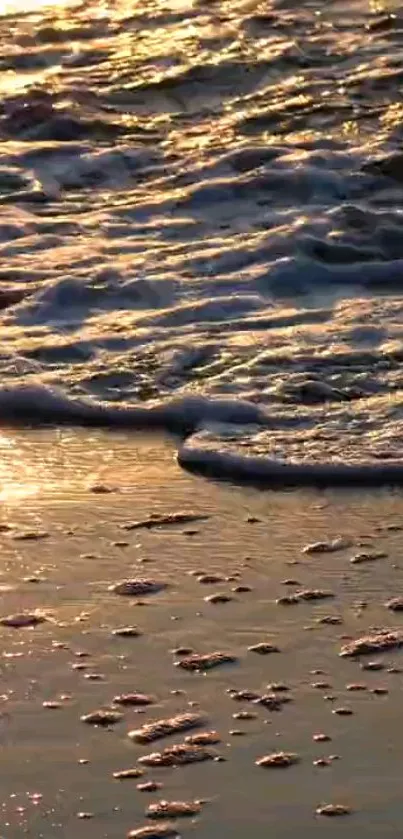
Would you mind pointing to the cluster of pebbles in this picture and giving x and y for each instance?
(199, 742)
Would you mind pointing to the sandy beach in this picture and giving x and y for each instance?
(69, 503)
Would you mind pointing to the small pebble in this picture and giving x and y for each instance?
(218, 597)
(123, 774)
(173, 809)
(207, 661)
(278, 687)
(321, 738)
(331, 620)
(372, 665)
(149, 786)
(23, 619)
(102, 717)
(361, 558)
(395, 604)
(203, 738)
(182, 651)
(178, 755)
(343, 712)
(210, 579)
(278, 759)
(244, 715)
(127, 631)
(137, 587)
(162, 728)
(139, 699)
(333, 810)
(329, 546)
(162, 831)
(356, 686)
(263, 648)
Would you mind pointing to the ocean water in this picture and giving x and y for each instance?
(201, 228)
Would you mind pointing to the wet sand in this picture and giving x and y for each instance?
(74, 495)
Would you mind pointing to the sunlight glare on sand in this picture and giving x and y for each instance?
(8, 7)
(18, 476)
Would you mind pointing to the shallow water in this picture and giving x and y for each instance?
(47, 480)
(203, 198)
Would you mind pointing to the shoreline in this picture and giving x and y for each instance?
(78, 495)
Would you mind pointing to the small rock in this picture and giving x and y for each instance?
(102, 717)
(163, 728)
(179, 755)
(372, 556)
(372, 665)
(321, 738)
(313, 594)
(395, 604)
(272, 701)
(244, 695)
(123, 774)
(278, 759)
(136, 699)
(52, 704)
(287, 600)
(241, 589)
(380, 691)
(158, 520)
(322, 761)
(162, 831)
(244, 715)
(373, 643)
(149, 786)
(339, 544)
(23, 619)
(204, 738)
(206, 662)
(331, 620)
(137, 587)
(182, 651)
(342, 712)
(30, 535)
(278, 687)
(127, 632)
(263, 648)
(173, 809)
(210, 579)
(333, 810)
(356, 686)
(218, 597)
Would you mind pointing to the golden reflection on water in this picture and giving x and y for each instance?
(50, 465)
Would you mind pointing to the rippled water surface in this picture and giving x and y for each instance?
(203, 197)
